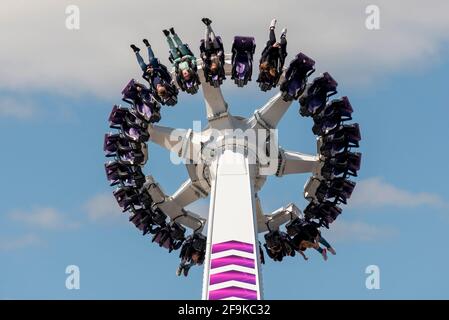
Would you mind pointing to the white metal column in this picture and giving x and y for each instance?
(232, 265)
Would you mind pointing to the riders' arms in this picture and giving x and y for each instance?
(163, 72)
(204, 56)
(176, 62)
(190, 59)
(265, 54)
(147, 77)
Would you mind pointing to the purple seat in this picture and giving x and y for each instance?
(242, 59)
(115, 142)
(142, 100)
(325, 212)
(346, 136)
(341, 189)
(118, 173)
(125, 151)
(141, 218)
(164, 78)
(117, 116)
(169, 236)
(316, 95)
(335, 112)
(130, 92)
(338, 189)
(344, 163)
(190, 86)
(130, 125)
(126, 197)
(300, 68)
(215, 80)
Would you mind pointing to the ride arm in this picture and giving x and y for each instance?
(171, 208)
(291, 162)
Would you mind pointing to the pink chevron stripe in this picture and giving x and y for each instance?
(239, 261)
(233, 244)
(232, 275)
(233, 292)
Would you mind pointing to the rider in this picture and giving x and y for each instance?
(213, 55)
(154, 72)
(192, 253)
(310, 237)
(183, 59)
(273, 56)
(186, 264)
(143, 99)
(320, 240)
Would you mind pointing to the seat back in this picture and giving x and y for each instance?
(242, 50)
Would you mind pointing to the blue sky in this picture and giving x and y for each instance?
(57, 208)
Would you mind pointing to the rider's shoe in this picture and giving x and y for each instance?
(206, 21)
(135, 49)
(284, 33)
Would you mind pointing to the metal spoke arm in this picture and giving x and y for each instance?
(228, 64)
(188, 192)
(291, 162)
(185, 143)
(216, 105)
(277, 218)
(268, 116)
(171, 208)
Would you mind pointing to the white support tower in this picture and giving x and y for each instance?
(232, 265)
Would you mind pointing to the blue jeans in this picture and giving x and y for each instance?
(324, 243)
(142, 63)
(210, 39)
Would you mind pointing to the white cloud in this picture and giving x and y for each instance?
(345, 231)
(16, 108)
(40, 53)
(102, 207)
(44, 218)
(374, 192)
(28, 240)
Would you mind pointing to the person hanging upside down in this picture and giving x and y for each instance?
(272, 60)
(305, 235)
(327, 247)
(184, 62)
(157, 75)
(212, 54)
(314, 239)
(185, 264)
(192, 253)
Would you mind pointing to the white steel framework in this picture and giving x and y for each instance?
(222, 163)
